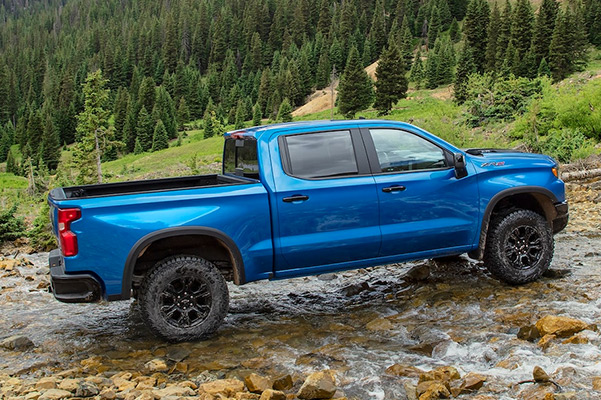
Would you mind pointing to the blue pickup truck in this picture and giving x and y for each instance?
(298, 199)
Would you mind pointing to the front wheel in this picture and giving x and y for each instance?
(183, 298)
(519, 247)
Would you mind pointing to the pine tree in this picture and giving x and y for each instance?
(257, 115)
(183, 114)
(434, 27)
(146, 94)
(417, 72)
(285, 111)
(324, 68)
(120, 111)
(474, 27)
(138, 147)
(355, 91)
(593, 21)
(543, 68)
(465, 67)
(455, 31)
(209, 124)
(493, 31)
(239, 119)
(377, 33)
(144, 129)
(431, 73)
(560, 61)
(159, 137)
(543, 29)
(504, 39)
(51, 146)
(93, 130)
(391, 84)
(5, 143)
(12, 166)
(521, 36)
(164, 109)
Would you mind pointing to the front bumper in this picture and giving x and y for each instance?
(80, 288)
(561, 219)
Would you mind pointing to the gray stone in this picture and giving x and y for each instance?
(17, 342)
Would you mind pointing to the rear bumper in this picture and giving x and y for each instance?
(80, 288)
(562, 217)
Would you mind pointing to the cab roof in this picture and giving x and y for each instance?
(266, 131)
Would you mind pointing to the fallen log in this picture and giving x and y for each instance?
(577, 175)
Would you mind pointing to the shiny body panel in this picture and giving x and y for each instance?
(345, 222)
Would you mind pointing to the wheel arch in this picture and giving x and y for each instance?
(227, 245)
(533, 198)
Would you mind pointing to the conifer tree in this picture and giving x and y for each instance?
(455, 31)
(434, 27)
(164, 109)
(543, 29)
(474, 27)
(465, 67)
(5, 143)
(129, 129)
(377, 33)
(183, 114)
(391, 83)
(147, 94)
(93, 130)
(521, 36)
(35, 129)
(417, 72)
(324, 68)
(120, 111)
(138, 147)
(592, 12)
(257, 115)
(209, 124)
(145, 129)
(11, 164)
(285, 111)
(159, 137)
(493, 31)
(51, 146)
(431, 72)
(560, 48)
(504, 37)
(239, 118)
(355, 91)
(543, 68)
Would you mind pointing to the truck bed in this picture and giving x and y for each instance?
(142, 186)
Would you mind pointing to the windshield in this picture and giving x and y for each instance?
(240, 157)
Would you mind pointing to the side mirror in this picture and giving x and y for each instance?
(460, 168)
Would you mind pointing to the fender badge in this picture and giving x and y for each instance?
(493, 164)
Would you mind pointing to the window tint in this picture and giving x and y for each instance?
(321, 155)
(240, 157)
(402, 151)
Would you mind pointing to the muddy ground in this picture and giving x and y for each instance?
(357, 324)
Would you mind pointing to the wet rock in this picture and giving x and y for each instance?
(555, 273)
(255, 363)
(423, 348)
(69, 385)
(326, 277)
(539, 375)
(418, 273)
(257, 383)
(470, 383)
(355, 289)
(567, 396)
(597, 383)
(379, 324)
(175, 390)
(318, 385)
(576, 339)
(47, 382)
(55, 394)
(156, 365)
(444, 374)
(545, 341)
(86, 389)
(145, 382)
(226, 387)
(9, 264)
(271, 394)
(436, 390)
(177, 354)
(17, 342)
(247, 396)
(283, 383)
(529, 332)
(404, 370)
(560, 326)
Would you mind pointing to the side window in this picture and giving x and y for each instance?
(321, 155)
(403, 151)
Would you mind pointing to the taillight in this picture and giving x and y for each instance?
(67, 238)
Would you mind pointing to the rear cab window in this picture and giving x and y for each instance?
(240, 157)
(319, 155)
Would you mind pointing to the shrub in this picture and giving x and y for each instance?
(41, 235)
(11, 227)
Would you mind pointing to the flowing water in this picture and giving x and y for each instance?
(357, 323)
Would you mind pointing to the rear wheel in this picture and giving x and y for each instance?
(519, 247)
(183, 298)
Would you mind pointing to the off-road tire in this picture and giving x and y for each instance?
(519, 246)
(183, 298)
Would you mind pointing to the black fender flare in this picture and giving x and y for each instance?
(479, 252)
(152, 237)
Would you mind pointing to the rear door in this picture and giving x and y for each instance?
(326, 200)
(423, 206)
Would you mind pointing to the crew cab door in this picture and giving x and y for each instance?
(325, 200)
(423, 206)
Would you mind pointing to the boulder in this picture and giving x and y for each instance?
(247, 396)
(560, 326)
(597, 383)
(528, 332)
(539, 375)
(283, 383)
(175, 390)
(437, 390)
(257, 383)
(379, 324)
(17, 342)
(271, 394)
(318, 385)
(108, 394)
(545, 341)
(404, 370)
(86, 389)
(225, 387)
(576, 339)
(444, 374)
(418, 273)
(470, 383)
(48, 382)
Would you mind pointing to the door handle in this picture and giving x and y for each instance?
(296, 197)
(394, 188)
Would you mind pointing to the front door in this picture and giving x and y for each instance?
(327, 204)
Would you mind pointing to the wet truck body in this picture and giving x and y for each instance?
(298, 199)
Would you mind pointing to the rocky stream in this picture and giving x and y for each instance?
(423, 330)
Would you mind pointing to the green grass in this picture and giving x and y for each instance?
(10, 181)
